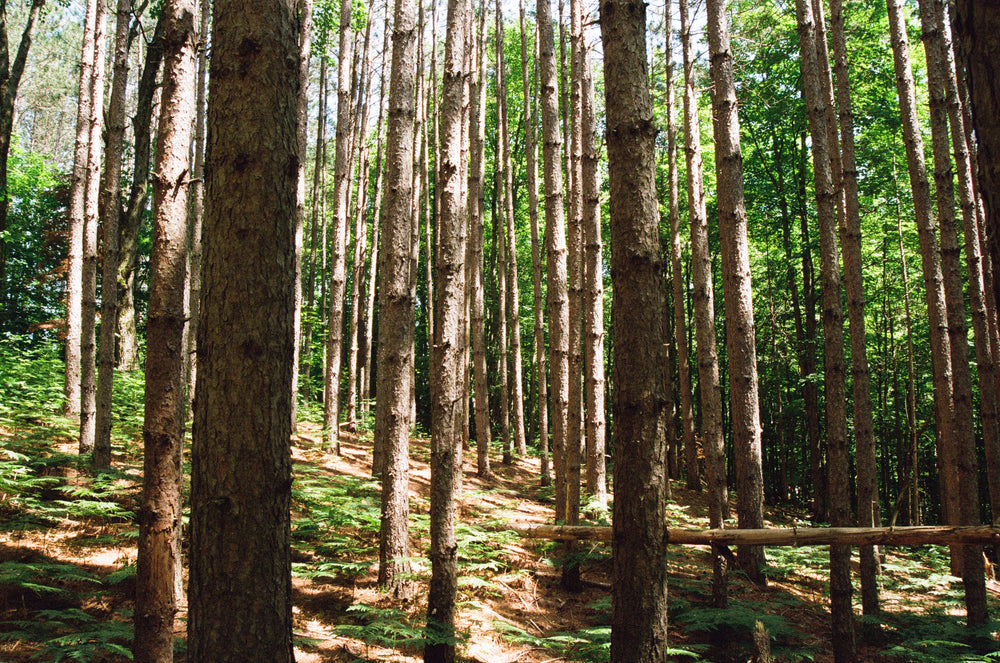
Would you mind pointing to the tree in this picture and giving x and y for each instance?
(109, 210)
(556, 250)
(338, 250)
(448, 350)
(740, 334)
(241, 463)
(166, 400)
(834, 379)
(10, 79)
(639, 620)
(396, 304)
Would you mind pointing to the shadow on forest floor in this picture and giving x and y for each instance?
(67, 564)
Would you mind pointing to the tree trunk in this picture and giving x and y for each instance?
(639, 618)
(593, 293)
(109, 210)
(556, 250)
(477, 173)
(241, 466)
(834, 379)
(396, 316)
(77, 202)
(166, 401)
(448, 350)
(677, 280)
(88, 344)
(537, 248)
(338, 250)
(128, 235)
(740, 341)
(931, 262)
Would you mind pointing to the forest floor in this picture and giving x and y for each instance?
(67, 565)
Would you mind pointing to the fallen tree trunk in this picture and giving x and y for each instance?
(796, 536)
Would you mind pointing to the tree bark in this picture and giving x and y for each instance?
(639, 618)
(166, 400)
(834, 380)
(77, 202)
(88, 339)
(740, 341)
(556, 295)
(241, 463)
(396, 316)
(448, 351)
(338, 247)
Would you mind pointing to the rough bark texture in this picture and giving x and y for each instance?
(305, 47)
(967, 512)
(241, 462)
(110, 209)
(593, 294)
(78, 195)
(556, 250)
(88, 317)
(930, 261)
(639, 619)
(477, 173)
(850, 239)
(166, 400)
(338, 246)
(396, 316)
(834, 379)
(448, 351)
(531, 167)
(740, 335)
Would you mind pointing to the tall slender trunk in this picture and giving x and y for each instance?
(338, 251)
(639, 617)
(834, 379)
(677, 280)
(537, 248)
(593, 293)
(163, 424)
(78, 196)
(88, 345)
(556, 250)
(967, 497)
(109, 210)
(396, 305)
(740, 340)
(318, 193)
(850, 237)
(477, 174)
(930, 260)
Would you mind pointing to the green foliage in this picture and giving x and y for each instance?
(386, 627)
(73, 635)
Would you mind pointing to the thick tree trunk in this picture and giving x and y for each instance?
(241, 466)
(556, 250)
(166, 401)
(639, 619)
(834, 379)
(396, 316)
(448, 351)
(740, 340)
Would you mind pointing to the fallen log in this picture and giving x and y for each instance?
(795, 536)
